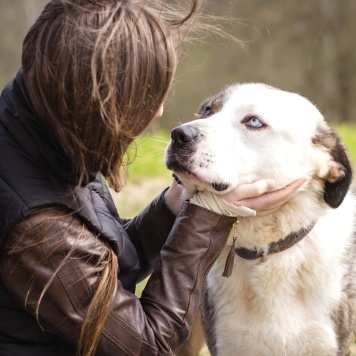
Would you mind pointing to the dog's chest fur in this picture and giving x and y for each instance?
(284, 304)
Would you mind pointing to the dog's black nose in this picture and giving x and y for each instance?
(183, 135)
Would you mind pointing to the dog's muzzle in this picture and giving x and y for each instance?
(179, 156)
(183, 145)
(181, 149)
(184, 137)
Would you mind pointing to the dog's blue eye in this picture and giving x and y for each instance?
(254, 122)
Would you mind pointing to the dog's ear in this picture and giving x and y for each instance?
(339, 175)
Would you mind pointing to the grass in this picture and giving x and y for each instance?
(148, 154)
(148, 175)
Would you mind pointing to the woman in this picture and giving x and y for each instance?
(94, 75)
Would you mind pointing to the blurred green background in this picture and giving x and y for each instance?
(302, 46)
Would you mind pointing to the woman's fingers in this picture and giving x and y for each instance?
(257, 196)
(270, 202)
(173, 197)
(251, 190)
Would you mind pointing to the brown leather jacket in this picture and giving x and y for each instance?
(155, 324)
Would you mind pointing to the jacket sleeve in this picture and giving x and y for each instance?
(149, 231)
(155, 324)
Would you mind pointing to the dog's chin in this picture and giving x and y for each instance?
(192, 184)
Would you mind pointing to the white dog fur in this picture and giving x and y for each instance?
(300, 301)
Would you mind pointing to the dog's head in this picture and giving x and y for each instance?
(253, 131)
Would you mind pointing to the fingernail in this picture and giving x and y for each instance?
(270, 184)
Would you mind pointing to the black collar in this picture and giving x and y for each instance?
(275, 247)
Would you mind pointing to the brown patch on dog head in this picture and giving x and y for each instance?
(339, 176)
(212, 105)
(336, 173)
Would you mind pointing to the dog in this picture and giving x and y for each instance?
(292, 289)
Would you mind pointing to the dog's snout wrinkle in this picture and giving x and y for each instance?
(184, 135)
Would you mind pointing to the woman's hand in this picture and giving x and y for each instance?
(173, 197)
(260, 197)
(257, 195)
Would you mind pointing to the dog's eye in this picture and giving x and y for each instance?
(205, 112)
(208, 110)
(253, 122)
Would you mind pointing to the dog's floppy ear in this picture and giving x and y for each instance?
(339, 175)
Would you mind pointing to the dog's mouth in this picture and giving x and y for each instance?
(219, 187)
(185, 175)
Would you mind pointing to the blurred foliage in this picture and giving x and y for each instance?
(147, 155)
(347, 133)
(302, 46)
(306, 47)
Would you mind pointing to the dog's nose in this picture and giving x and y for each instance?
(183, 135)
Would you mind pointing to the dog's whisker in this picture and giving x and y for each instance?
(160, 139)
(150, 154)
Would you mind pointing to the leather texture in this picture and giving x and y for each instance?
(155, 324)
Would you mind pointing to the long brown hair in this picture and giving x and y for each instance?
(97, 72)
